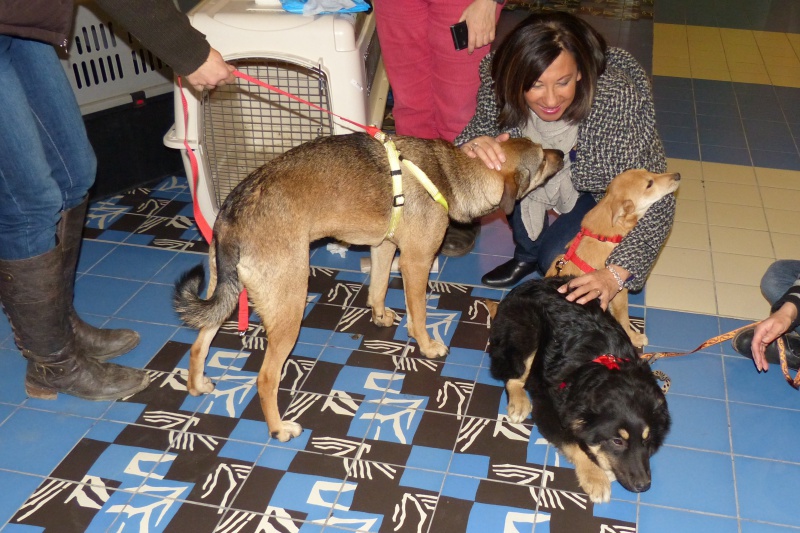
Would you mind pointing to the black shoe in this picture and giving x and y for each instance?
(508, 274)
(460, 238)
(743, 340)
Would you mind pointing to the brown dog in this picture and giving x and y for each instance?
(340, 187)
(627, 198)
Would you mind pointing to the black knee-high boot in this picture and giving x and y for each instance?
(34, 297)
(100, 344)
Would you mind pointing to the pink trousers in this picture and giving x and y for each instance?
(434, 86)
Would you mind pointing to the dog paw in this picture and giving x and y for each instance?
(434, 350)
(288, 431)
(519, 410)
(385, 320)
(638, 339)
(596, 484)
(205, 387)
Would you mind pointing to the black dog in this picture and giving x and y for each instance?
(592, 396)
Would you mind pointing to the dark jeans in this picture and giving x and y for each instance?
(554, 238)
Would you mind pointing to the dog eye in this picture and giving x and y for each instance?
(618, 442)
(649, 184)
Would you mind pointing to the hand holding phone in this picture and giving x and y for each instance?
(460, 35)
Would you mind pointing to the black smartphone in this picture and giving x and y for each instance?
(460, 35)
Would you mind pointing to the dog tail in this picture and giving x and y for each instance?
(198, 313)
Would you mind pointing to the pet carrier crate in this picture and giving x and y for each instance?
(330, 60)
(106, 65)
(125, 95)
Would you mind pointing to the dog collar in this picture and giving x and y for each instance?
(398, 198)
(571, 254)
(608, 360)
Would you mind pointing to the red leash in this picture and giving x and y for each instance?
(202, 223)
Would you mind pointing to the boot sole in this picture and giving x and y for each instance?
(40, 392)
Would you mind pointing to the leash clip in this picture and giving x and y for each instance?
(560, 265)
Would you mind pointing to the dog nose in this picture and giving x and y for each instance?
(641, 486)
(676, 176)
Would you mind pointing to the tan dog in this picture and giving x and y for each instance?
(627, 198)
(340, 187)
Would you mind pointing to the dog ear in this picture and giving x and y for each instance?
(509, 198)
(620, 209)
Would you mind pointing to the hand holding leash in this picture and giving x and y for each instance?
(767, 331)
(211, 74)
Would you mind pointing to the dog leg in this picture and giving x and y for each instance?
(591, 477)
(415, 282)
(619, 308)
(197, 382)
(279, 297)
(381, 258)
(519, 403)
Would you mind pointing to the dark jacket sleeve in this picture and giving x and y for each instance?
(163, 30)
(620, 134)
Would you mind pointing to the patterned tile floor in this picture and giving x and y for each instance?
(394, 442)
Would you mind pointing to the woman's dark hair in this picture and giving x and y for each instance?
(527, 52)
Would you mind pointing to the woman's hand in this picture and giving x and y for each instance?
(213, 73)
(480, 16)
(488, 149)
(597, 284)
(770, 329)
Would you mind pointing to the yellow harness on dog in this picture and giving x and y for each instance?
(398, 198)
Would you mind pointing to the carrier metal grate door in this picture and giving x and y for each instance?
(245, 125)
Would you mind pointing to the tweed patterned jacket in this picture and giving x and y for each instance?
(619, 134)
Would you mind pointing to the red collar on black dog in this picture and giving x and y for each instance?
(608, 360)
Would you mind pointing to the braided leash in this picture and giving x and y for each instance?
(653, 357)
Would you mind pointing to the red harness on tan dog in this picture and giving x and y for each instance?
(572, 256)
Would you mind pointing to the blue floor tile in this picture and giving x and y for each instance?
(132, 262)
(16, 489)
(34, 442)
(725, 154)
(699, 374)
(659, 520)
(152, 303)
(699, 423)
(746, 385)
(673, 467)
(767, 485)
(765, 432)
(103, 296)
(679, 331)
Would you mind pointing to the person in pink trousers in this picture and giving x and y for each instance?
(434, 85)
